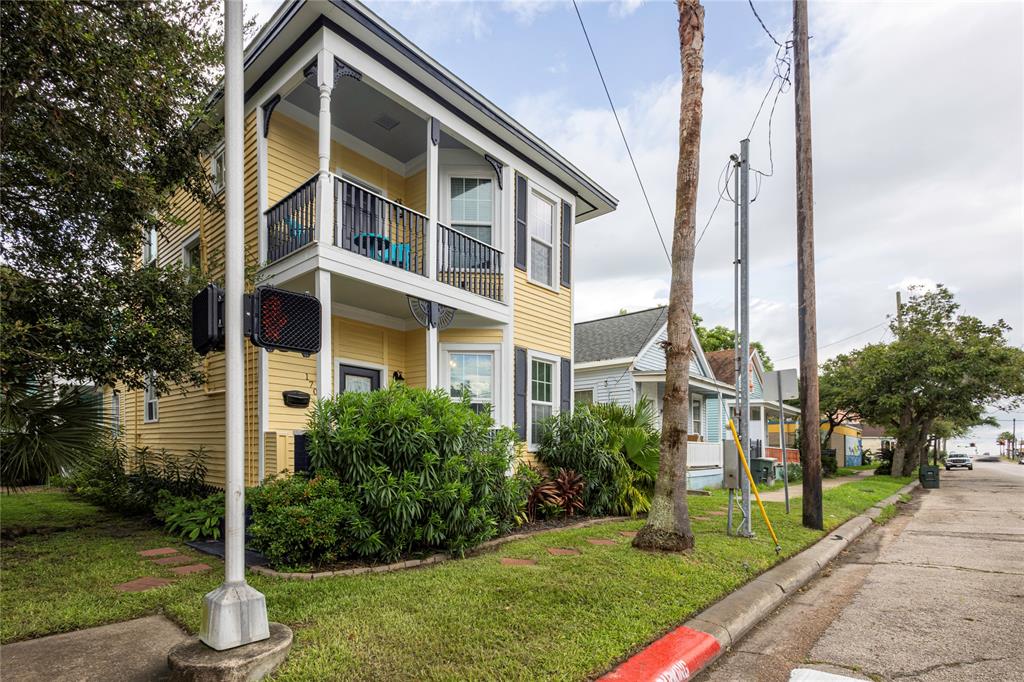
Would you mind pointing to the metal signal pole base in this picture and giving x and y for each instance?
(234, 614)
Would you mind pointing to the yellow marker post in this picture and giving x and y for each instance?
(743, 458)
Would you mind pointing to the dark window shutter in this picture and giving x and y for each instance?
(522, 205)
(566, 244)
(520, 394)
(565, 385)
(302, 462)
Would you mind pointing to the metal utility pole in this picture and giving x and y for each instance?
(744, 354)
(735, 307)
(235, 613)
(810, 445)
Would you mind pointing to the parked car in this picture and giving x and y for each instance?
(1021, 460)
(959, 460)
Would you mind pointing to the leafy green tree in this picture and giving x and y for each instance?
(942, 365)
(836, 382)
(721, 338)
(100, 104)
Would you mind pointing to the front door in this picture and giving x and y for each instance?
(358, 379)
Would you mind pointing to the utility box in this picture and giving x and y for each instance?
(730, 466)
(763, 470)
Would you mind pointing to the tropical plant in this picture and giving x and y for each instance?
(47, 429)
(191, 519)
(423, 471)
(568, 487)
(631, 430)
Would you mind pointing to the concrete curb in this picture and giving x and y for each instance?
(688, 649)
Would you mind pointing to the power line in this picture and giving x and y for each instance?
(629, 152)
(846, 338)
(724, 191)
(752, 9)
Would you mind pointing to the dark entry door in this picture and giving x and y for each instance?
(358, 379)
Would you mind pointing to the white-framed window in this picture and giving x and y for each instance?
(191, 252)
(473, 368)
(471, 207)
(115, 413)
(217, 170)
(697, 417)
(151, 400)
(541, 255)
(542, 391)
(149, 247)
(583, 396)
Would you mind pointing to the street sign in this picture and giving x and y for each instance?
(789, 385)
(285, 320)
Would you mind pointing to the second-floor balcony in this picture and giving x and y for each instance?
(369, 224)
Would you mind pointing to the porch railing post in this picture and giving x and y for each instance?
(433, 196)
(325, 190)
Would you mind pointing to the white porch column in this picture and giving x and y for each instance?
(325, 358)
(325, 193)
(433, 196)
(433, 379)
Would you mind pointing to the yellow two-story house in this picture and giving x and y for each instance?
(378, 181)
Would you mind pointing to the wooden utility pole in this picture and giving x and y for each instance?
(810, 446)
(668, 523)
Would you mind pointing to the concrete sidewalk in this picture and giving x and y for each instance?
(133, 651)
(934, 595)
(796, 489)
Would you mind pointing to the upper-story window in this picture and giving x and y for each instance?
(217, 171)
(149, 247)
(472, 207)
(542, 236)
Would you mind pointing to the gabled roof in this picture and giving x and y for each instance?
(619, 336)
(724, 366)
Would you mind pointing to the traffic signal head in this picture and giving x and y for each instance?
(285, 320)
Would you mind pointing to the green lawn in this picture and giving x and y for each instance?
(568, 617)
(44, 511)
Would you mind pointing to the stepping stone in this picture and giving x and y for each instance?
(717, 513)
(701, 518)
(628, 533)
(173, 560)
(562, 551)
(159, 551)
(506, 561)
(142, 584)
(191, 568)
(601, 541)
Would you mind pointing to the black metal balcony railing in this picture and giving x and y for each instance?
(375, 227)
(468, 263)
(291, 222)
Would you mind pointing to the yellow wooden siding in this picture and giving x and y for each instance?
(416, 358)
(193, 417)
(292, 159)
(360, 342)
(470, 335)
(542, 318)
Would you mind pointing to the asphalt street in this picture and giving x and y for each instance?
(937, 593)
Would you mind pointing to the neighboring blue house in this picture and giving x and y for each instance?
(619, 359)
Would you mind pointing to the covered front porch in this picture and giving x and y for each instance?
(352, 166)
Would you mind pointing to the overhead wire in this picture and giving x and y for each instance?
(845, 338)
(622, 132)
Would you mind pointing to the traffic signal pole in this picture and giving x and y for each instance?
(235, 613)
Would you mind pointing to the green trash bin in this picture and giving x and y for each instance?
(762, 469)
(929, 476)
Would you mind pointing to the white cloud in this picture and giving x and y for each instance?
(918, 175)
(623, 8)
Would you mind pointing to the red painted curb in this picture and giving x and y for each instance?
(677, 656)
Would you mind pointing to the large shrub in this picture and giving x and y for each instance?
(421, 470)
(614, 448)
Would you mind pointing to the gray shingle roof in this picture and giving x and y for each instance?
(620, 336)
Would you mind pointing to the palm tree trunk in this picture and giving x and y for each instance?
(668, 523)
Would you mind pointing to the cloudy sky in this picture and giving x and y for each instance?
(917, 113)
